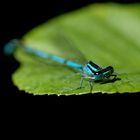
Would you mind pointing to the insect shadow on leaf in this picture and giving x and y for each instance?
(108, 80)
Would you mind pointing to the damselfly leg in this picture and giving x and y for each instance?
(114, 76)
(91, 85)
(81, 82)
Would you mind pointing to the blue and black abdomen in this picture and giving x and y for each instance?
(12, 45)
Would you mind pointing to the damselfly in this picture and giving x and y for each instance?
(89, 70)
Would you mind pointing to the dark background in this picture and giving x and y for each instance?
(17, 18)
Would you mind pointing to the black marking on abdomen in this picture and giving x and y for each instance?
(65, 61)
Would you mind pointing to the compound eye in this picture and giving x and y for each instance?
(106, 75)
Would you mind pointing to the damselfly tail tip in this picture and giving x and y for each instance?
(10, 47)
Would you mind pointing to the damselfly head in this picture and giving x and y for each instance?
(108, 71)
(110, 68)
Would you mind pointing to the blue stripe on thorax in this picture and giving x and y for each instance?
(87, 70)
(93, 68)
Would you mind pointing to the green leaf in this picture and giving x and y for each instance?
(107, 34)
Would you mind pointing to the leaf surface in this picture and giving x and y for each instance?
(107, 34)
